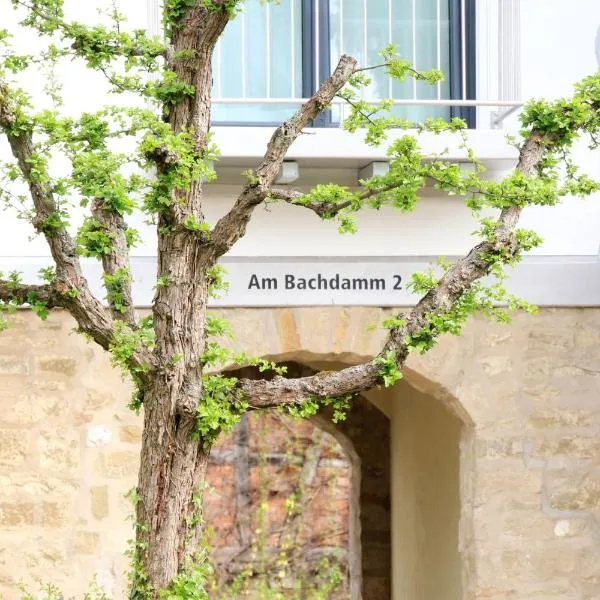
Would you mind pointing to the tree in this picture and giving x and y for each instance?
(173, 356)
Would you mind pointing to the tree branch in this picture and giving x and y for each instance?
(88, 311)
(116, 261)
(230, 228)
(323, 209)
(21, 293)
(457, 280)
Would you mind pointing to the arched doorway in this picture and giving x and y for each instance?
(405, 502)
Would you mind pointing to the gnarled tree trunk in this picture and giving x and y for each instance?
(172, 472)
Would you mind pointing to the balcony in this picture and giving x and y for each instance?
(272, 57)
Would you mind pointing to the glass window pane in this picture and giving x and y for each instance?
(420, 30)
(259, 56)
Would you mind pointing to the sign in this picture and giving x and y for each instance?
(314, 282)
(347, 281)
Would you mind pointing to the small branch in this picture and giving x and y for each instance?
(77, 45)
(323, 209)
(117, 259)
(21, 293)
(230, 228)
(379, 66)
(91, 316)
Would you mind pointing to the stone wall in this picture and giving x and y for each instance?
(527, 395)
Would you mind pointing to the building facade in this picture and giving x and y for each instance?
(475, 477)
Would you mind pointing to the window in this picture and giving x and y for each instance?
(281, 52)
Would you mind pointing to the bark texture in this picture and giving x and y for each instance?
(173, 461)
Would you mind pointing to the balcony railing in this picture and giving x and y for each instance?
(340, 108)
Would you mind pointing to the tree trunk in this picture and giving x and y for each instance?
(172, 473)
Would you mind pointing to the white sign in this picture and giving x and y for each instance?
(349, 281)
(310, 282)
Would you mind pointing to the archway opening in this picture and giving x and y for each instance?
(279, 500)
(405, 510)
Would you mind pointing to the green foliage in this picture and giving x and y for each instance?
(174, 11)
(38, 307)
(93, 239)
(191, 224)
(115, 284)
(162, 281)
(124, 345)
(171, 90)
(216, 280)
(51, 592)
(310, 406)
(190, 583)
(219, 409)
(217, 326)
(47, 274)
(96, 176)
(492, 301)
(181, 164)
(55, 222)
(387, 366)
(132, 237)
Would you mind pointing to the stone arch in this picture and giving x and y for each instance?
(421, 431)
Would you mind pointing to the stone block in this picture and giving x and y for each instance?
(58, 365)
(29, 408)
(121, 463)
(570, 490)
(572, 446)
(54, 514)
(554, 418)
(13, 365)
(16, 515)
(496, 365)
(87, 542)
(13, 446)
(59, 450)
(99, 501)
(131, 434)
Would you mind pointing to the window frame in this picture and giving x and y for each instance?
(313, 63)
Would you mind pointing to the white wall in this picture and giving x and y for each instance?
(557, 48)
